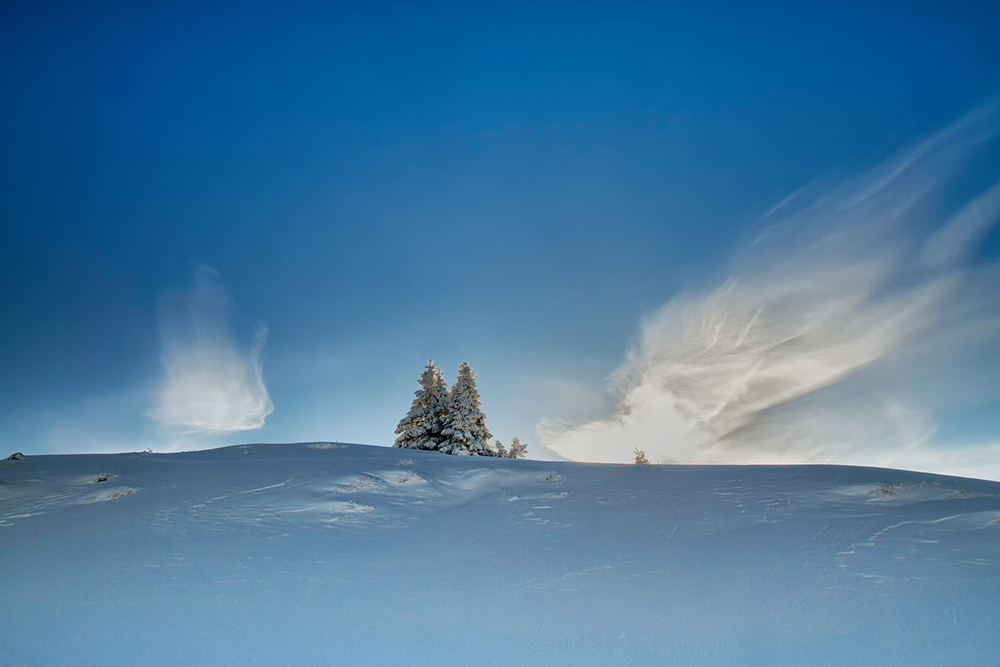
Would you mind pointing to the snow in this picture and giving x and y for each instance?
(324, 554)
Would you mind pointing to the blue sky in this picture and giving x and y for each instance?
(379, 184)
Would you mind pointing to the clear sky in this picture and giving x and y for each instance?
(517, 185)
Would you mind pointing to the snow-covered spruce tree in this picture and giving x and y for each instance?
(422, 425)
(517, 450)
(465, 429)
(640, 457)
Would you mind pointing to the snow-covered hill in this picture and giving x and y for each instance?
(328, 554)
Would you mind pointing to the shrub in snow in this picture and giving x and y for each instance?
(887, 491)
(422, 427)
(640, 457)
(465, 429)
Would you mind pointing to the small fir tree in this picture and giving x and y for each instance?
(640, 457)
(465, 429)
(500, 450)
(517, 450)
(421, 427)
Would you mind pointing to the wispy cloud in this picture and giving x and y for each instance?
(792, 358)
(212, 383)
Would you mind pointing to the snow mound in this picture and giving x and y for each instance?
(350, 507)
(326, 445)
(402, 477)
(360, 483)
(922, 491)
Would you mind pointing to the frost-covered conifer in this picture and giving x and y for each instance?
(421, 427)
(500, 450)
(640, 457)
(465, 429)
(517, 450)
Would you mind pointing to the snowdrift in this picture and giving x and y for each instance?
(331, 554)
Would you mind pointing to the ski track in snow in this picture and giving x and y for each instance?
(675, 544)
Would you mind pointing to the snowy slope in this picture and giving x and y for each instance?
(354, 555)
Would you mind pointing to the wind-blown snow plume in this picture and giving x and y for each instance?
(827, 340)
(213, 385)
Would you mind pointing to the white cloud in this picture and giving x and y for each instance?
(791, 358)
(212, 383)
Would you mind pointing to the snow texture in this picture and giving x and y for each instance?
(304, 555)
